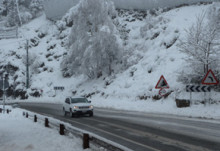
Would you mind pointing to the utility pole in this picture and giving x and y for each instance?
(3, 93)
(27, 66)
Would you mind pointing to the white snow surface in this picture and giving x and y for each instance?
(18, 133)
(124, 90)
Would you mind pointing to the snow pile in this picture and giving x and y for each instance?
(18, 133)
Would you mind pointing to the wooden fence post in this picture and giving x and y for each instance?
(46, 122)
(62, 129)
(85, 141)
(35, 118)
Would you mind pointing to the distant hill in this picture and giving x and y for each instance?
(55, 9)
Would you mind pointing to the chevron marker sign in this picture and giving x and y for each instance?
(194, 88)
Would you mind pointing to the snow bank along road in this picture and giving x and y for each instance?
(141, 131)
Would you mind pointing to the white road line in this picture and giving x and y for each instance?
(158, 138)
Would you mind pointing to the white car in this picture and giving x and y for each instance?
(77, 106)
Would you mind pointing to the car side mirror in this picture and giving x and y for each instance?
(89, 101)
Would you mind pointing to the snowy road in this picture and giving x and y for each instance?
(142, 131)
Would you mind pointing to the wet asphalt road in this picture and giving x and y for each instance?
(142, 131)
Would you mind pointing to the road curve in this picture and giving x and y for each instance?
(142, 131)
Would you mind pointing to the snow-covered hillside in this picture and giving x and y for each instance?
(153, 53)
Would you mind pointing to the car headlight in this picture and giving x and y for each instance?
(75, 107)
(91, 106)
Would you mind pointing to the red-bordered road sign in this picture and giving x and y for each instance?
(162, 92)
(210, 79)
(162, 83)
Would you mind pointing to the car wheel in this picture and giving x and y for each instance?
(64, 112)
(91, 114)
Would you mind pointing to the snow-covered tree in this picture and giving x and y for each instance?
(21, 11)
(93, 41)
(11, 12)
(35, 7)
(202, 47)
(214, 15)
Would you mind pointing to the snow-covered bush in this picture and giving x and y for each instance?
(35, 67)
(35, 7)
(151, 29)
(25, 16)
(61, 25)
(32, 57)
(93, 42)
(42, 31)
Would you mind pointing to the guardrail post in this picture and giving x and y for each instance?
(46, 122)
(85, 141)
(26, 114)
(0, 110)
(62, 129)
(35, 118)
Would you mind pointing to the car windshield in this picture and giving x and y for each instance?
(79, 100)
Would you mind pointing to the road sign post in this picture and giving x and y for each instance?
(210, 79)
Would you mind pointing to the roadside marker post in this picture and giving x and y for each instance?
(62, 128)
(85, 141)
(46, 122)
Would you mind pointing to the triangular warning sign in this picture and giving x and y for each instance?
(162, 83)
(210, 79)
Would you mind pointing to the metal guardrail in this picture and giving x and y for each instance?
(66, 129)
